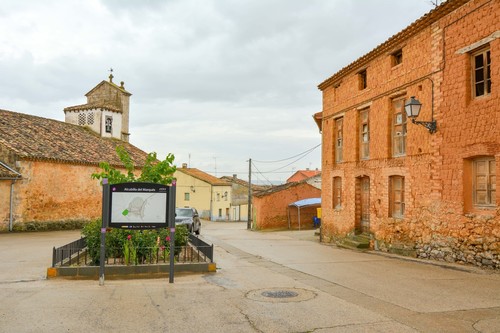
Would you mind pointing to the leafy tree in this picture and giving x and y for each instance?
(136, 246)
(153, 171)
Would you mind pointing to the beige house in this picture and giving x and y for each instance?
(210, 195)
(239, 197)
(45, 164)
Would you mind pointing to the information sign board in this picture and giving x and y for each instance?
(139, 205)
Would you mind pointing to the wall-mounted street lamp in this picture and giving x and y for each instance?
(412, 108)
(193, 189)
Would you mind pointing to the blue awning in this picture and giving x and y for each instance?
(306, 202)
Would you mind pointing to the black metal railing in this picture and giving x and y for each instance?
(70, 253)
(202, 246)
(76, 253)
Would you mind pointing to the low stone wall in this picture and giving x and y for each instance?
(122, 272)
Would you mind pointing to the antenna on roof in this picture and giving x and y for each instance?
(111, 75)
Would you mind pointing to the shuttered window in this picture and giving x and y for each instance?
(484, 186)
(397, 196)
(398, 128)
(364, 135)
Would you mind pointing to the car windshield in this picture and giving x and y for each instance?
(183, 212)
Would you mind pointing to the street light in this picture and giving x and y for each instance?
(412, 108)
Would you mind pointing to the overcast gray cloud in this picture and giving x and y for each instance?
(215, 82)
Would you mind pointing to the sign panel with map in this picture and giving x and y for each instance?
(139, 205)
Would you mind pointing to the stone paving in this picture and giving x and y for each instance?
(265, 282)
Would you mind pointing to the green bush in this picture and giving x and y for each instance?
(134, 245)
(139, 247)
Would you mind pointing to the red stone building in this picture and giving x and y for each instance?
(302, 174)
(431, 194)
(270, 207)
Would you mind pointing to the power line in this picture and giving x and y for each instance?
(289, 158)
(262, 174)
(294, 160)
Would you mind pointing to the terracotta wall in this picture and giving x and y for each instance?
(436, 223)
(56, 192)
(271, 210)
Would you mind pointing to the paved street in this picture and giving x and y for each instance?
(265, 282)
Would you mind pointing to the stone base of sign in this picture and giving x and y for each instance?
(122, 272)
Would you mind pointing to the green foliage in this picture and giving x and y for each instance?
(92, 231)
(142, 246)
(134, 246)
(153, 171)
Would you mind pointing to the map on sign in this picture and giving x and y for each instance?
(130, 207)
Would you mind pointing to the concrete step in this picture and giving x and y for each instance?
(355, 243)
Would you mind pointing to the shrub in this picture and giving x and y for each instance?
(135, 246)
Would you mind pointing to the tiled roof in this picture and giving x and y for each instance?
(302, 174)
(90, 106)
(121, 88)
(395, 41)
(244, 183)
(275, 189)
(37, 138)
(193, 172)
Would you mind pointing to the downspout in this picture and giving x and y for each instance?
(11, 210)
(11, 199)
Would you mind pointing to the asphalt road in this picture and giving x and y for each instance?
(265, 282)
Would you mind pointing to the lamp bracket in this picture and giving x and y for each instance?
(430, 125)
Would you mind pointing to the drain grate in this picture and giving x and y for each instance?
(279, 294)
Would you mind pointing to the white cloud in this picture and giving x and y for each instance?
(213, 81)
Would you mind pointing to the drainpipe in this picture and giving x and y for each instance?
(11, 211)
(11, 200)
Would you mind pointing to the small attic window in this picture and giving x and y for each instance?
(362, 79)
(397, 57)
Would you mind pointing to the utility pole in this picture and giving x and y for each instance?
(249, 220)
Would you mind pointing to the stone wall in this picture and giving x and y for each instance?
(271, 210)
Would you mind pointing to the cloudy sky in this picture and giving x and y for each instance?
(215, 82)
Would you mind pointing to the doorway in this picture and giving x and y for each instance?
(362, 223)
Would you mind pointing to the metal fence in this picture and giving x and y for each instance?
(203, 247)
(76, 253)
(68, 254)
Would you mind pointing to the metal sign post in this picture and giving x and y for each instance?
(105, 222)
(171, 225)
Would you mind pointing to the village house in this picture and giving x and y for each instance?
(239, 197)
(271, 207)
(423, 186)
(46, 165)
(302, 174)
(210, 195)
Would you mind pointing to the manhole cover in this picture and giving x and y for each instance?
(281, 295)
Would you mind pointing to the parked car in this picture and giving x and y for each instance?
(189, 217)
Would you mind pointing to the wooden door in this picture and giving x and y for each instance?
(362, 205)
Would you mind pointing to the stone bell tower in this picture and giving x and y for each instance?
(106, 111)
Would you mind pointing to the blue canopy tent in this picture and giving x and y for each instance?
(303, 203)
